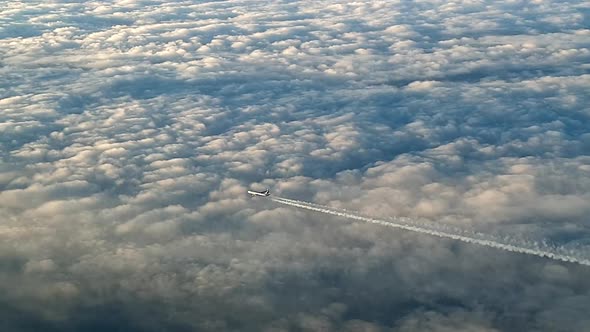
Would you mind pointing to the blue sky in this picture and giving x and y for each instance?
(131, 130)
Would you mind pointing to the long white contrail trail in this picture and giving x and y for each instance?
(414, 225)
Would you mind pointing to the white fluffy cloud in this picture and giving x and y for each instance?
(130, 131)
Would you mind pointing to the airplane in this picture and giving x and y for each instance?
(259, 193)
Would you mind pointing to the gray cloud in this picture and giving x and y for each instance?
(131, 130)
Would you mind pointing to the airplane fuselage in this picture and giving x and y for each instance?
(259, 193)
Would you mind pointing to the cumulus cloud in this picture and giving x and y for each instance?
(130, 131)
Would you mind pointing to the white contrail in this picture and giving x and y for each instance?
(414, 225)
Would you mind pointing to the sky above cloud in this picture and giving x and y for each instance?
(131, 130)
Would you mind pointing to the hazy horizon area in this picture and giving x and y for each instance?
(131, 131)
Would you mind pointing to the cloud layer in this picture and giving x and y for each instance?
(130, 131)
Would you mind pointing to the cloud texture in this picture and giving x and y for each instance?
(130, 131)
